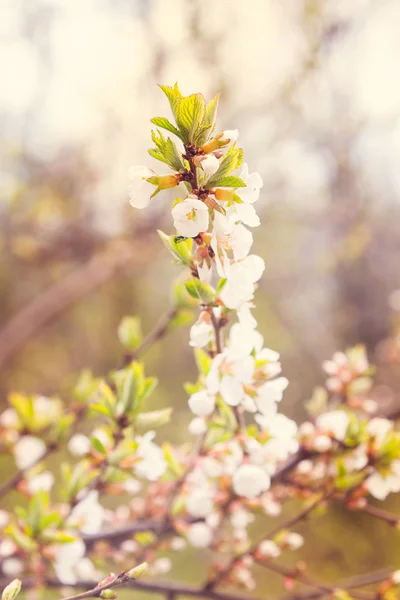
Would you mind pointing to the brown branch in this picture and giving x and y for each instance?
(346, 584)
(295, 574)
(253, 549)
(15, 479)
(155, 335)
(60, 295)
(378, 513)
(155, 587)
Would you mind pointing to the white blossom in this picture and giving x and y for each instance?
(43, 482)
(201, 403)
(200, 535)
(67, 557)
(132, 486)
(212, 467)
(161, 566)
(254, 183)
(88, 514)
(79, 444)
(250, 481)
(294, 540)
(151, 464)
(334, 422)
(230, 134)
(210, 165)
(380, 485)
(246, 213)
(199, 503)
(12, 567)
(178, 544)
(201, 333)
(322, 443)
(241, 277)
(269, 549)
(378, 428)
(190, 217)
(230, 236)
(241, 518)
(197, 426)
(140, 189)
(28, 450)
(9, 418)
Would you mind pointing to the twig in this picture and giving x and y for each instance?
(252, 551)
(96, 590)
(323, 588)
(373, 511)
(155, 335)
(15, 479)
(60, 295)
(155, 587)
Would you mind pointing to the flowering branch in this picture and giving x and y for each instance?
(246, 458)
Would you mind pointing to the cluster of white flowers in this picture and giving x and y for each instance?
(244, 374)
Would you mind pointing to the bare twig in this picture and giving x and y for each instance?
(253, 550)
(15, 479)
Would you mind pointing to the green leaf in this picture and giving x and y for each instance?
(181, 319)
(165, 124)
(181, 251)
(228, 163)
(154, 418)
(230, 181)
(98, 445)
(174, 96)
(190, 117)
(148, 387)
(86, 386)
(203, 361)
(58, 536)
(221, 285)
(107, 399)
(21, 539)
(12, 590)
(130, 333)
(129, 381)
(202, 291)
(209, 120)
(173, 463)
(167, 152)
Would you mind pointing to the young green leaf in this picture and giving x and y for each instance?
(165, 124)
(229, 162)
(230, 181)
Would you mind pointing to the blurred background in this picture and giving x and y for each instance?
(313, 87)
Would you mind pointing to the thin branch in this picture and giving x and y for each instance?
(323, 588)
(15, 479)
(253, 549)
(48, 304)
(155, 335)
(378, 513)
(346, 584)
(153, 587)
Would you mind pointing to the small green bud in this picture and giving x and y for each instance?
(108, 594)
(12, 590)
(129, 332)
(138, 571)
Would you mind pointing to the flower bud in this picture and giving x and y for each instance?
(138, 571)
(12, 590)
(108, 594)
(167, 181)
(224, 193)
